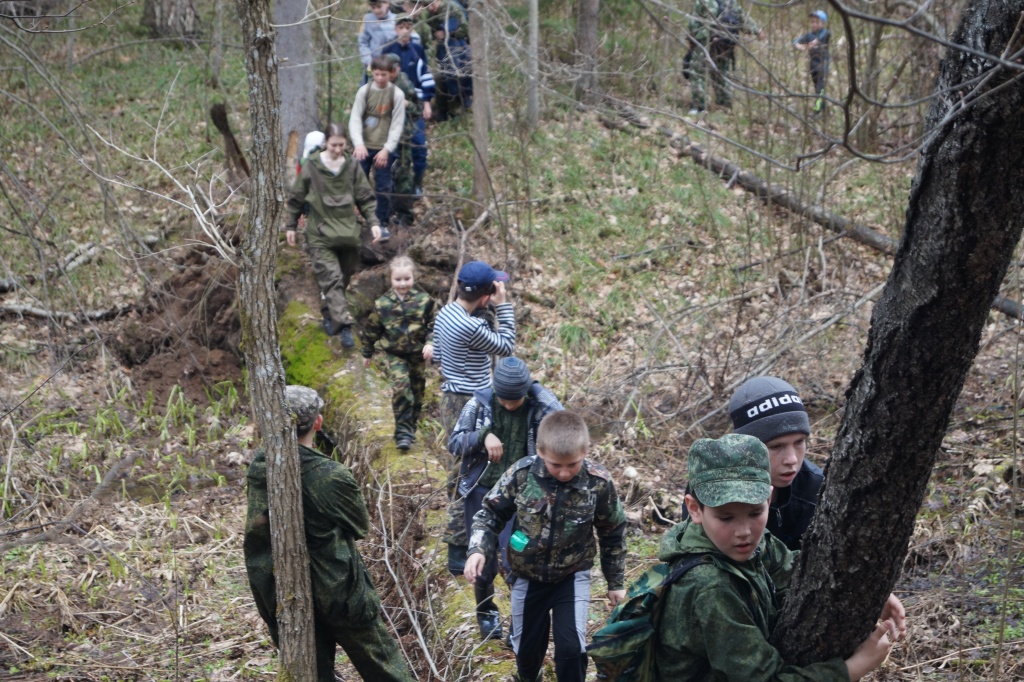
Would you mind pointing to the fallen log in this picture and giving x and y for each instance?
(64, 316)
(773, 194)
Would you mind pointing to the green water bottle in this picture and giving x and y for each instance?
(518, 541)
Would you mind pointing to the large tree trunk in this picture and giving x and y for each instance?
(963, 223)
(262, 354)
(586, 47)
(170, 18)
(297, 77)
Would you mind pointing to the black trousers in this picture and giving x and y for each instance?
(536, 607)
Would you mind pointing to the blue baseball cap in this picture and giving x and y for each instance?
(820, 14)
(476, 276)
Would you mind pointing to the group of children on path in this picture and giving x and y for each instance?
(525, 495)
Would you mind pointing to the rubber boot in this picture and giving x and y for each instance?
(487, 615)
(457, 559)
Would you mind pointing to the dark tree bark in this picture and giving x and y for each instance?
(262, 351)
(963, 222)
(297, 77)
(170, 18)
(586, 47)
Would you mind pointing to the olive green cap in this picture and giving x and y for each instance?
(733, 468)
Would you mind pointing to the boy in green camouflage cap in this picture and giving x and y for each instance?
(718, 619)
(346, 608)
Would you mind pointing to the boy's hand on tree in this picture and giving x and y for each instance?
(474, 565)
(894, 611)
(871, 652)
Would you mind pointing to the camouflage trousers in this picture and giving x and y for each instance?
(700, 70)
(455, 530)
(408, 382)
(333, 269)
(405, 186)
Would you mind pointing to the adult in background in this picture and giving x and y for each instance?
(346, 608)
(333, 185)
(714, 29)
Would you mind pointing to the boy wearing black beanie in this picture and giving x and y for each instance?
(771, 409)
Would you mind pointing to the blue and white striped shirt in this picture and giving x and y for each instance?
(466, 344)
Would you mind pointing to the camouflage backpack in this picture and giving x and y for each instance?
(623, 650)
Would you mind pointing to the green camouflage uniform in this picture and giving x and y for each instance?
(401, 171)
(332, 229)
(346, 607)
(703, 28)
(718, 618)
(402, 328)
(559, 519)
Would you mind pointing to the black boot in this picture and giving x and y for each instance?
(457, 559)
(487, 615)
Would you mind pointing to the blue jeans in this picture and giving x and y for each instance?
(383, 184)
(418, 143)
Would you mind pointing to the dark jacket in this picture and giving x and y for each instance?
(335, 517)
(559, 519)
(475, 422)
(718, 618)
(792, 508)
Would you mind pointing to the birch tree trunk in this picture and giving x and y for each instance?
(481, 105)
(262, 352)
(170, 18)
(963, 223)
(297, 76)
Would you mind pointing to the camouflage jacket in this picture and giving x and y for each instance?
(558, 518)
(451, 18)
(335, 517)
(413, 105)
(402, 327)
(717, 620)
(704, 24)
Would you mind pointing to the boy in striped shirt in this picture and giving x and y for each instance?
(465, 342)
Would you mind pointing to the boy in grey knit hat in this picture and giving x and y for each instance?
(771, 409)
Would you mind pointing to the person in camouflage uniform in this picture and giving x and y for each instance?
(560, 499)
(346, 608)
(332, 185)
(446, 22)
(497, 428)
(717, 621)
(713, 27)
(402, 321)
(402, 171)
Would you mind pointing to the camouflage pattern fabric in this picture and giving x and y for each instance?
(559, 519)
(708, 60)
(402, 171)
(346, 607)
(408, 383)
(455, 528)
(305, 404)
(400, 326)
(717, 620)
(733, 468)
(700, 70)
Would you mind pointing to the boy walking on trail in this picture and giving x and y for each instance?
(414, 66)
(346, 608)
(446, 21)
(402, 321)
(717, 620)
(559, 498)
(465, 342)
(714, 29)
(375, 126)
(496, 429)
(815, 44)
(771, 410)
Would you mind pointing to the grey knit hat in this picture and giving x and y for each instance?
(511, 379)
(768, 407)
(305, 404)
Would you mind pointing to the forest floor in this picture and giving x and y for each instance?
(645, 287)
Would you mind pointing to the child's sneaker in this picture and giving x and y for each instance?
(385, 235)
(347, 341)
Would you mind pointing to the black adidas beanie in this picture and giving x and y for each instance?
(768, 407)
